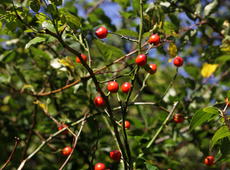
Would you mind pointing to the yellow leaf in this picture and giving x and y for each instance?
(42, 105)
(67, 62)
(208, 69)
(172, 50)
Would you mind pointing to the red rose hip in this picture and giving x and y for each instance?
(112, 86)
(153, 68)
(178, 118)
(126, 87)
(99, 101)
(99, 166)
(127, 124)
(115, 155)
(154, 39)
(66, 151)
(141, 60)
(61, 126)
(209, 160)
(84, 57)
(101, 32)
(178, 61)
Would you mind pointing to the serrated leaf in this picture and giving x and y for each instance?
(108, 50)
(73, 21)
(219, 134)
(35, 5)
(202, 116)
(208, 69)
(172, 50)
(210, 7)
(34, 41)
(150, 166)
(127, 32)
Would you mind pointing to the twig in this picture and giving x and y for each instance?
(76, 137)
(94, 7)
(162, 126)
(12, 153)
(124, 37)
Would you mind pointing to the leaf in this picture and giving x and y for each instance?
(223, 58)
(208, 69)
(150, 166)
(34, 41)
(127, 32)
(108, 50)
(219, 134)
(35, 5)
(172, 50)
(41, 105)
(57, 2)
(67, 62)
(73, 21)
(210, 7)
(203, 115)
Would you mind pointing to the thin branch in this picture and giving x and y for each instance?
(76, 137)
(12, 153)
(162, 126)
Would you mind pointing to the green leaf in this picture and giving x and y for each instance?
(57, 2)
(150, 166)
(35, 5)
(127, 32)
(228, 94)
(220, 134)
(73, 21)
(203, 115)
(34, 41)
(210, 7)
(223, 58)
(108, 50)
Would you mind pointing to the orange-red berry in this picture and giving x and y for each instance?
(178, 61)
(178, 118)
(100, 166)
(126, 87)
(113, 86)
(61, 126)
(209, 160)
(66, 151)
(127, 124)
(154, 39)
(115, 155)
(99, 101)
(84, 57)
(153, 68)
(141, 60)
(101, 32)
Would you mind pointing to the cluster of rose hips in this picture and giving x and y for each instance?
(113, 87)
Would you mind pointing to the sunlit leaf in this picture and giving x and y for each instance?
(208, 69)
(219, 134)
(34, 41)
(210, 7)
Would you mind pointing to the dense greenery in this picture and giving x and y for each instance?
(42, 86)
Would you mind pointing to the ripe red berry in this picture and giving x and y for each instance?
(178, 61)
(153, 68)
(99, 166)
(227, 101)
(99, 101)
(61, 126)
(154, 39)
(101, 32)
(115, 155)
(178, 118)
(126, 87)
(66, 151)
(112, 86)
(141, 60)
(84, 57)
(127, 124)
(209, 160)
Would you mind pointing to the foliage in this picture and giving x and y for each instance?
(43, 87)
